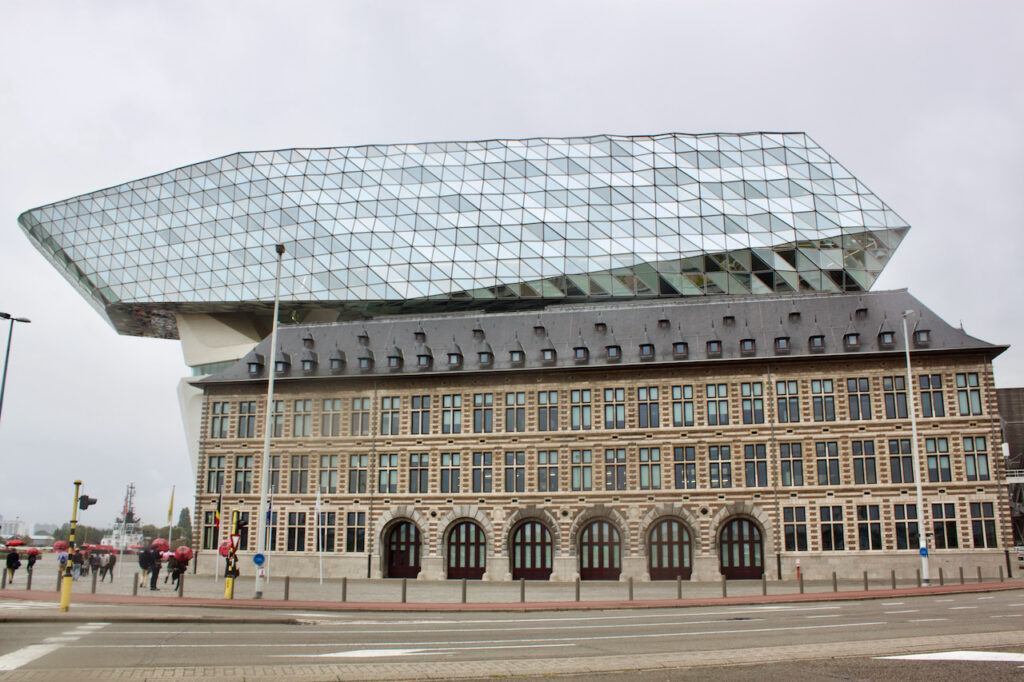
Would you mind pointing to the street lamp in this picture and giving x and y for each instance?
(7, 355)
(921, 535)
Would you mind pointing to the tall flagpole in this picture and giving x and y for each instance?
(261, 532)
(319, 535)
(170, 513)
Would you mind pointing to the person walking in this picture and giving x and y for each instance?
(154, 570)
(104, 565)
(13, 564)
(94, 563)
(76, 564)
(32, 558)
(146, 564)
(110, 566)
(172, 567)
(179, 571)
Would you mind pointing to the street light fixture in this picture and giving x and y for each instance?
(7, 355)
(922, 539)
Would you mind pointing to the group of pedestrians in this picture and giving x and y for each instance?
(13, 563)
(151, 560)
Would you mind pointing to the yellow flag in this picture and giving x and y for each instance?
(170, 509)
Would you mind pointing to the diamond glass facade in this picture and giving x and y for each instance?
(495, 224)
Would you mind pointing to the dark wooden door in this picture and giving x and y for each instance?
(669, 551)
(403, 551)
(741, 550)
(600, 552)
(531, 551)
(467, 551)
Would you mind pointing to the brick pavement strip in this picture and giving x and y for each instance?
(428, 670)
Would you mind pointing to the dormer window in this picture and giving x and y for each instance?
(794, 317)
(548, 355)
(646, 351)
(580, 353)
(455, 359)
(748, 347)
(680, 350)
(861, 313)
(419, 336)
(486, 358)
(364, 339)
(255, 365)
(283, 363)
(365, 364)
(816, 343)
(851, 341)
(600, 327)
(307, 340)
(423, 360)
(782, 344)
(664, 323)
(922, 337)
(714, 348)
(516, 357)
(614, 352)
(539, 330)
(308, 365)
(887, 339)
(394, 362)
(337, 364)
(729, 320)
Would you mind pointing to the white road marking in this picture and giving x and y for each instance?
(1007, 656)
(942, 600)
(957, 608)
(904, 611)
(62, 638)
(377, 653)
(980, 598)
(892, 603)
(925, 620)
(1007, 615)
(16, 659)
(828, 615)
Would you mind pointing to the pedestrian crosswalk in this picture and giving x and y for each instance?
(19, 605)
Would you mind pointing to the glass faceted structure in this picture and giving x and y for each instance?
(489, 225)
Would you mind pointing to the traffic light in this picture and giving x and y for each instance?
(84, 501)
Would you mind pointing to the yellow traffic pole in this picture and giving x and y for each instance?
(231, 571)
(65, 585)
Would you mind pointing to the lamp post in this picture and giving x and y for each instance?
(262, 521)
(7, 355)
(921, 534)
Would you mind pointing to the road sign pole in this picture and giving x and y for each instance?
(65, 585)
(231, 567)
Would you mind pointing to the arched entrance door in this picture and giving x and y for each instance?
(600, 552)
(741, 550)
(531, 551)
(467, 551)
(403, 544)
(669, 551)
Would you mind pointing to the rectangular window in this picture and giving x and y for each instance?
(717, 404)
(975, 458)
(325, 532)
(864, 471)
(794, 524)
(450, 472)
(387, 474)
(330, 418)
(944, 526)
(894, 390)
(968, 394)
(827, 462)
(791, 462)
(685, 471)
(579, 411)
(905, 517)
(582, 474)
(275, 473)
(720, 466)
(932, 403)
(360, 416)
(419, 472)
(647, 407)
(219, 419)
(682, 406)
(390, 417)
(419, 418)
(329, 474)
(901, 461)
(832, 534)
(515, 471)
(483, 412)
(215, 473)
(869, 527)
(298, 476)
(357, 465)
(614, 408)
(859, 396)
(823, 400)
(752, 402)
(296, 532)
(650, 468)
(787, 398)
(302, 419)
(277, 419)
(515, 412)
(615, 469)
(755, 461)
(209, 530)
(547, 411)
(243, 531)
(451, 414)
(272, 532)
(547, 471)
(482, 470)
(983, 524)
(243, 474)
(355, 532)
(938, 459)
(246, 419)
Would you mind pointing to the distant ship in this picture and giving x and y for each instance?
(127, 533)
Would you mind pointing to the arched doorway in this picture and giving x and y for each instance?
(741, 549)
(669, 551)
(531, 551)
(403, 555)
(600, 552)
(467, 551)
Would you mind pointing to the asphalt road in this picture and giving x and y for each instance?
(667, 643)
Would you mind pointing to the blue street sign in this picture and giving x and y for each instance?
(258, 559)
(923, 551)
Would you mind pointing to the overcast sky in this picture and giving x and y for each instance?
(921, 101)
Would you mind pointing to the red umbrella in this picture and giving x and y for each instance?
(16, 542)
(161, 544)
(225, 548)
(183, 553)
(33, 551)
(60, 544)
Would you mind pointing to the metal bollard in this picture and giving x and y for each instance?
(181, 584)
(919, 577)
(463, 590)
(979, 574)
(3, 580)
(29, 586)
(893, 573)
(961, 575)
(942, 578)
(865, 581)
(60, 574)
(405, 589)
(287, 586)
(94, 582)
(679, 586)
(630, 588)
(577, 589)
(725, 590)
(1000, 574)
(801, 583)
(835, 582)
(764, 584)
(135, 585)
(344, 589)
(522, 589)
